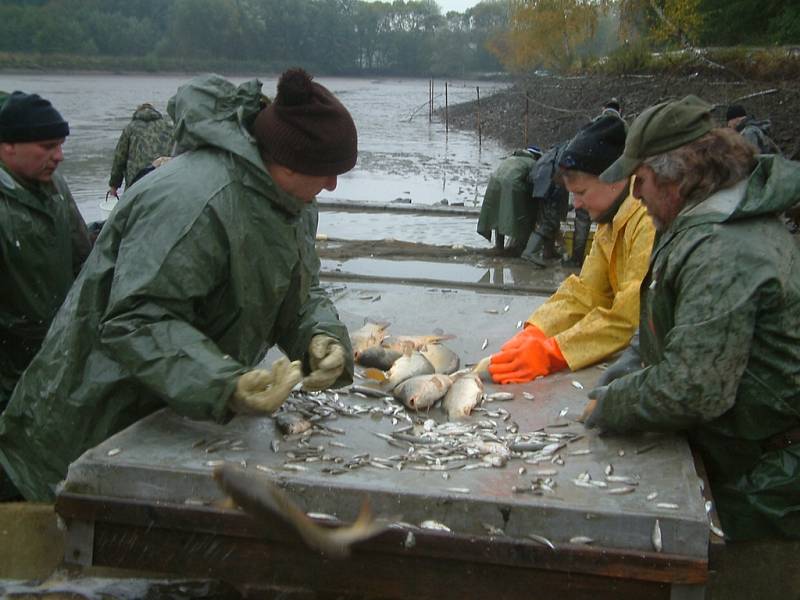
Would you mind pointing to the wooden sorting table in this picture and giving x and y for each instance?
(145, 499)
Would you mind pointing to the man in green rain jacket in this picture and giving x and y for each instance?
(201, 268)
(720, 315)
(43, 238)
(508, 208)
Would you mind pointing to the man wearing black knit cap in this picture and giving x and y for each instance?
(43, 239)
(203, 266)
(594, 314)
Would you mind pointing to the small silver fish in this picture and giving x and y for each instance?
(652, 495)
(519, 324)
(434, 525)
(500, 397)
(622, 479)
(542, 540)
(580, 539)
(292, 423)
(667, 505)
(627, 489)
(485, 343)
(492, 530)
(505, 308)
(577, 384)
(113, 451)
(658, 545)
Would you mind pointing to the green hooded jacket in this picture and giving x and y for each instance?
(200, 269)
(144, 139)
(43, 243)
(507, 205)
(720, 338)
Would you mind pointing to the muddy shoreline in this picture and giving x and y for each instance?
(559, 106)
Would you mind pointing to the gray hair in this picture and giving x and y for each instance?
(715, 161)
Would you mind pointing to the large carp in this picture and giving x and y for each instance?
(442, 358)
(371, 334)
(463, 396)
(411, 364)
(422, 391)
(378, 357)
(262, 499)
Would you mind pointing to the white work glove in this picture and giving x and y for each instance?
(326, 356)
(264, 390)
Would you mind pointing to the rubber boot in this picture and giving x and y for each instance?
(532, 250)
(549, 250)
(578, 249)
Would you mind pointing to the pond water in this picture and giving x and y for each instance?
(401, 153)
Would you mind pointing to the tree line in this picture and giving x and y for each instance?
(330, 36)
(386, 38)
(563, 34)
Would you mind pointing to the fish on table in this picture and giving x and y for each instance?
(411, 364)
(464, 394)
(258, 496)
(422, 391)
(370, 334)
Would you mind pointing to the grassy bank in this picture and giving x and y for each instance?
(132, 64)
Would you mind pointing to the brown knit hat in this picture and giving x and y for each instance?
(306, 128)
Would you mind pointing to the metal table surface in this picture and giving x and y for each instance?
(157, 474)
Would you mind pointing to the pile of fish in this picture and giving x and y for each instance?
(417, 370)
(425, 444)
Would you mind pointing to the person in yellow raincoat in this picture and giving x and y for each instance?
(594, 314)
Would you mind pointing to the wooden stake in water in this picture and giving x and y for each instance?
(430, 100)
(446, 124)
(525, 130)
(478, 89)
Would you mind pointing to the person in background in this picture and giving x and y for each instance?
(508, 209)
(583, 221)
(43, 238)
(202, 267)
(594, 314)
(719, 347)
(754, 131)
(148, 137)
(550, 199)
(612, 108)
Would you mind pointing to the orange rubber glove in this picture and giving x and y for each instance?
(526, 356)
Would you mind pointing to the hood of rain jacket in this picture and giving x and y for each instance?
(200, 269)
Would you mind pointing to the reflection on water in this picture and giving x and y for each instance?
(401, 154)
(426, 229)
(511, 273)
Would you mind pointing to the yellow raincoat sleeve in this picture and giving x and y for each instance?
(594, 314)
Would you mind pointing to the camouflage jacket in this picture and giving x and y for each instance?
(757, 133)
(720, 338)
(145, 138)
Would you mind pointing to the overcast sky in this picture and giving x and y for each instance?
(457, 5)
